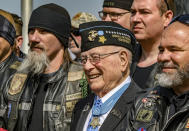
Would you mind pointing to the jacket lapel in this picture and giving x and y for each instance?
(84, 113)
(119, 110)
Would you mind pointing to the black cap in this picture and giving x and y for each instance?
(102, 33)
(122, 4)
(54, 19)
(7, 30)
(184, 18)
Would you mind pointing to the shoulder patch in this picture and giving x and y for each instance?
(15, 65)
(73, 76)
(17, 83)
(144, 115)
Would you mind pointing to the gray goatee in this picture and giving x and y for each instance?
(170, 80)
(34, 63)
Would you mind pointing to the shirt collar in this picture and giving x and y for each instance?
(109, 94)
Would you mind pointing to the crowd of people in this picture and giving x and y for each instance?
(128, 71)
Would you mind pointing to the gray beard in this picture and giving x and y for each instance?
(34, 63)
(170, 80)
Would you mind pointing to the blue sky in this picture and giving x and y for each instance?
(73, 6)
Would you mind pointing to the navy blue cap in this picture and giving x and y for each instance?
(102, 33)
(181, 18)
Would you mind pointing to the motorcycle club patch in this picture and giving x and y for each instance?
(187, 124)
(17, 83)
(144, 115)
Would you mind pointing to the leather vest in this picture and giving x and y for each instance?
(151, 113)
(63, 92)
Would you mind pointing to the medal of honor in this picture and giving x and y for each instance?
(95, 122)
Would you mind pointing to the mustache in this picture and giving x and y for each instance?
(36, 45)
(167, 65)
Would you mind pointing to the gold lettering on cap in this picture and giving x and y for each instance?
(121, 38)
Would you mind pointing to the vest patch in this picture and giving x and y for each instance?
(17, 83)
(144, 115)
(51, 107)
(73, 76)
(24, 106)
(74, 96)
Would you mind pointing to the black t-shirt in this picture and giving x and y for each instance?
(36, 123)
(141, 75)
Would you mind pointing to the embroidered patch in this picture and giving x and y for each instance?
(121, 38)
(73, 76)
(116, 113)
(17, 83)
(70, 105)
(92, 35)
(148, 103)
(187, 124)
(102, 39)
(144, 115)
(75, 96)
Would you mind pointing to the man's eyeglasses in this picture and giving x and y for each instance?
(75, 31)
(181, 18)
(95, 58)
(113, 16)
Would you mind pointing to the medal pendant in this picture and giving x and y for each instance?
(95, 122)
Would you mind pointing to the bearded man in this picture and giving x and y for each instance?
(42, 94)
(166, 107)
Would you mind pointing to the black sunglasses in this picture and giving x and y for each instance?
(75, 31)
(181, 18)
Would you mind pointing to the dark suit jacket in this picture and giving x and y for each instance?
(115, 121)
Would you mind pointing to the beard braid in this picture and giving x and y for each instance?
(34, 63)
(169, 80)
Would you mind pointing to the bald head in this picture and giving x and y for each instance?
(176, 31)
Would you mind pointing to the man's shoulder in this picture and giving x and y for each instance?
(150, 96)
(15, 62)
(87, 101)
(135, 89)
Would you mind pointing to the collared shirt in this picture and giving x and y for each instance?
(104, 98)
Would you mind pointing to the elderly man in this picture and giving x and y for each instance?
(166, 107)
(117, 11)
(148, 20)
(106, 57)
(42, 94)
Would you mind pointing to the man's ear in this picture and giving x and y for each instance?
(124, 62)
(167, 17)
(19, 41)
